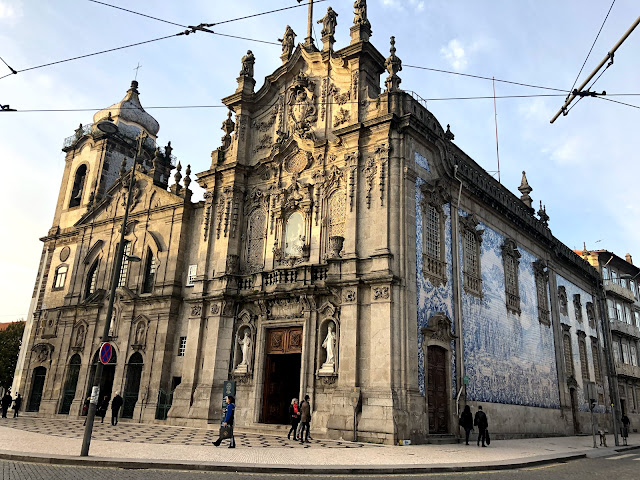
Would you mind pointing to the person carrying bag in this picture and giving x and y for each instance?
(226, 429)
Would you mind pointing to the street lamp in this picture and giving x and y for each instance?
(108, 127)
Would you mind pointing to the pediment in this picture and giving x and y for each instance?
(146, 196)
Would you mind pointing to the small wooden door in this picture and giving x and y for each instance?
(437, 390)
(282, 373)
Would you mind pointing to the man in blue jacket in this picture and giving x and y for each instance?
(228, 422)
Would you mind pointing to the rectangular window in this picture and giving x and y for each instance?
(596, 361)
(182, 347)
(627, 315)
(616, 351)
(634, 355)
(191, 275)
(632, 286)
(568, 357)
(584, 364)
(619, 312)
(636, 314)
(60, 277)
(612, 310)
(150, 273)
(625, 353)
(122, 280)
(471, 239)
(605, 273)
(432, 232)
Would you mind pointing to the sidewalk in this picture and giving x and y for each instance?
(132, 445)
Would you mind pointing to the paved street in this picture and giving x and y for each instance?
(620, 467)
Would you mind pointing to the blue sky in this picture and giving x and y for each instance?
(583, 167)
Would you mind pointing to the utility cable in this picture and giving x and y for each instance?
(138, 13)
(616, 101)
(13, 72)
(593, 45)
(486, 78)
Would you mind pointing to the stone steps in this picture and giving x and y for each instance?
(441, 439)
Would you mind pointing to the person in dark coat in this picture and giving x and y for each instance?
(17, 403)
(294, 416)
(625, 428)
(6, 403)
(228, 420)
(305, 419)
(482, 423)
(102, 408)
(116, 403)
(466, 422)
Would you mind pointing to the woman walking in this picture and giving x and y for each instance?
(466, 422)
(226, 429)
(294, 415)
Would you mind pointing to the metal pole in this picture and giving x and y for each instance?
(604, 60)
(593, 425)
(95, 392)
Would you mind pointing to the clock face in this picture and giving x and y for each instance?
(64, 254)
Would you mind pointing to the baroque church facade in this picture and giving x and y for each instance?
(345, 248)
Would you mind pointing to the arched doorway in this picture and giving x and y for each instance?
(70, 385)
(108, 372)
(37, 384)
(132, 385)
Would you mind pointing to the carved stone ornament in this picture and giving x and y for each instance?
(233, 264)
(349, 296)
(298, 162)
(79, 334)
(196, 310)
(562, 298)
(438, 329)
(381, 293)
(215, 309)
(43, 352)
(335, 246)
(329, 379)
(285, 308)
(303, 112)
(288, 42)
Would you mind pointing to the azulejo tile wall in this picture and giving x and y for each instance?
(431, 298)
(571, 319)
(508, 358)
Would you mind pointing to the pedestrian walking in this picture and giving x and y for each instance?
(480, 421)
(625, 428)
(6, 403)
(116, 403)
(305, 419)
(466, 422)
(17, 403)
(102, 408)
(226, 429)
(294, 415)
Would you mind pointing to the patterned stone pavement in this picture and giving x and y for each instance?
(159, 434)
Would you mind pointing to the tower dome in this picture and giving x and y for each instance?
(130, 111)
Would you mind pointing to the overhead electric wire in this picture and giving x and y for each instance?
(138, 13)
(616, 101)
(13, 72)
(593, 45)
(486, 78)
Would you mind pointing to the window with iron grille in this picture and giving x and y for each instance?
(596, 360)
(124, 269)
(542, 279)
(471, 240)
(584, 362)
(433, 218)
(568, 356)
(510, 256)
(182, 346)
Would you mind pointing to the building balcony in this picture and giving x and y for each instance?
(625, 329)
(283, 279)
(623, 292)
(626, 370)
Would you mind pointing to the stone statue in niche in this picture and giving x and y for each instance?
(139, 333)
(329, 22)
(247, 65)
(79, 336)
(245, 347)
(329, 344)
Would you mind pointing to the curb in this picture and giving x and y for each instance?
(106, 462)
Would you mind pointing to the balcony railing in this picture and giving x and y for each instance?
(625, 328)
(627, 370)
(617, 289)
(288, 278)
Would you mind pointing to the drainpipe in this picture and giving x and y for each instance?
(608, 349)
(456, 287)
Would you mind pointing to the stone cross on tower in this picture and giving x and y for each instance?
(136, 69)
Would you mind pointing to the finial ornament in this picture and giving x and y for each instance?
(448, 135)
(288, 41)
(542, 214)
(247, 65)
(228, 127)
(187, 179)
(178, 176)
(393, 65)
(525, 190)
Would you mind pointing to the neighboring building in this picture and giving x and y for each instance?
(621, 281)
(345, 245)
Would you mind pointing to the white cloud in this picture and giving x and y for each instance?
(570, 152)
(417, 5)
(455, 54)
(9, 10)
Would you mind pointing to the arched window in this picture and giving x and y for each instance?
(122, 280)
(149, 272)
(294, 236)
(132, 385)
(71, 383)
(60, 277)
(78, 186)
(92, 276)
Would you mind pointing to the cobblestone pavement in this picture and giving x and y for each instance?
(159, 434)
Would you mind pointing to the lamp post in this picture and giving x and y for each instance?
(110, 128)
